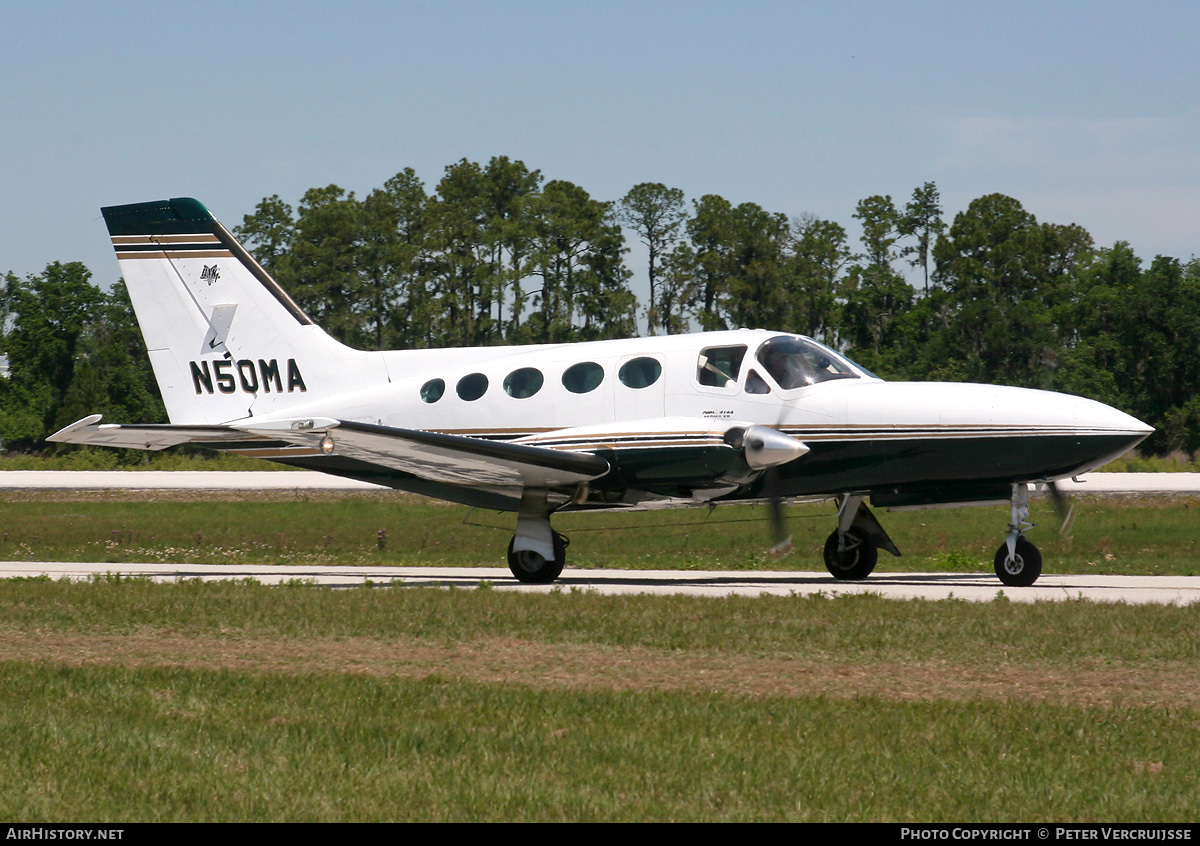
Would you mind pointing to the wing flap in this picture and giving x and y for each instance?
(451, 459)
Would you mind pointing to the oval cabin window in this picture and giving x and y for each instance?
(432, 390)
(523, 383)
(583, 377)
(640, 372)
(472, 387)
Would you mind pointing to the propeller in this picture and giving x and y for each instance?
(1063, 507)
(781, 540)
(766, 448)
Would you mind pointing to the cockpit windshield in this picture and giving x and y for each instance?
(798, 362)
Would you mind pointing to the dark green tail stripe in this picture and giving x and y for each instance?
(185, 216)
(181, 216)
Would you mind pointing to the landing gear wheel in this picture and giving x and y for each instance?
(532, 569)
(1023, 568)
(855, 561)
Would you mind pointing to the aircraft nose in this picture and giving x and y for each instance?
(1096, 416)
(1111, 431)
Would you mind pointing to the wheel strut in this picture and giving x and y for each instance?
(1019, 520)
(1018, 562)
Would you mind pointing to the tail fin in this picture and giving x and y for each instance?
(226, 342)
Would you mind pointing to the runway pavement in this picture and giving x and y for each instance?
(975, 587)
(305, 480)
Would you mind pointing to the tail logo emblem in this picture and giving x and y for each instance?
(210, 274)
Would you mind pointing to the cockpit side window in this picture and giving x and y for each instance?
(719, 367)
(797, 362)
(756, 384)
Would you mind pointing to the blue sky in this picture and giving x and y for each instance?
(1085, 112)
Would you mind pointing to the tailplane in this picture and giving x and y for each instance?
(225, 340)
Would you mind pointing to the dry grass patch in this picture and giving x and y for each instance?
(590, 667)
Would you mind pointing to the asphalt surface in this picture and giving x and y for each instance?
(305, 480)
(976, 587)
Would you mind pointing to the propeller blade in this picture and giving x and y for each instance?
(781, 541)
(1063, 507)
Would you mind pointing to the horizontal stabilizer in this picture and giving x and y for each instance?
(90, 431)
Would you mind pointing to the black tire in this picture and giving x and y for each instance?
(853, 563)
(1023, 569)
(532, 569)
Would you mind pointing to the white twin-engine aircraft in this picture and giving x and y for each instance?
(713, 417)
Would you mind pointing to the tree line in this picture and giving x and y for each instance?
(497, 254)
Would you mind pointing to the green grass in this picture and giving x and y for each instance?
(170, 745)
(1135, 463)
(1110, 535)
(125, 738)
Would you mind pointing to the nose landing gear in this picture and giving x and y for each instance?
(1018, 562)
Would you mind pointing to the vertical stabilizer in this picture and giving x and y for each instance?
(225, 340)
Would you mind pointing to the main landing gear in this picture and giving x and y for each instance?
(852, 550)
(850, 556)
(537, 553)
(532, 567)
(1018, 562)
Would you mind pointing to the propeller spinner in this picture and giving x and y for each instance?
(766, 447)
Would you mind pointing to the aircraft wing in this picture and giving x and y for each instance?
(437, 457)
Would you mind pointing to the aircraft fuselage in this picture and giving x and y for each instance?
(902, 443)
